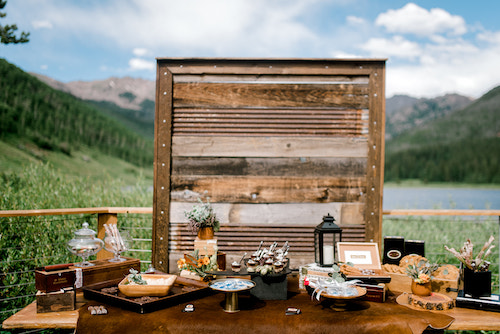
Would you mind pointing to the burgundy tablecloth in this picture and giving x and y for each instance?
(265, 317)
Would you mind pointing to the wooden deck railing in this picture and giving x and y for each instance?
(109, 215)
(105, 215)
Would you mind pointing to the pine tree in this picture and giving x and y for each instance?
(7, 32)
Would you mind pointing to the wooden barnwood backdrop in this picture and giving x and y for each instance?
(271, 142)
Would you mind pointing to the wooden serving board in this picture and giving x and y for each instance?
(183, 290)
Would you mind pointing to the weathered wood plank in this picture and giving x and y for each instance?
(287, 215)
(270, 122)
(271, 189)
(271, 78)
(241, 95)
(289, 66)
(376, 149)
(162, 152)
(305, 167)
(210, 146)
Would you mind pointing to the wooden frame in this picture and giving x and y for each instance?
(364, 255)
(268, 128)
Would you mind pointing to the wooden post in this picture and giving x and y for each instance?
(105, 218)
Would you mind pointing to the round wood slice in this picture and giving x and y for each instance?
(434, 302)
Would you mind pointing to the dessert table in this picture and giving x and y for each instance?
(260, 317)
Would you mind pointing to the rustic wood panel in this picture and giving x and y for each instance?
(279, 214)
(271, 189)
(240, 166)
(234, 240)
(238, 238)
(242, 95)
(272, 122)
(271, 141)
(213, 146)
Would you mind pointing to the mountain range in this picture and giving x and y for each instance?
(402, 112)
(420, 132)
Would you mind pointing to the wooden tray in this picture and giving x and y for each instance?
(182, 291)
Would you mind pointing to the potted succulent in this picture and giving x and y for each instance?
(203, 220)
(476, 274)
(421, 275)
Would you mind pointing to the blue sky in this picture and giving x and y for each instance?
(432, 47)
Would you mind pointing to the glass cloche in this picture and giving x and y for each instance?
(85, 244)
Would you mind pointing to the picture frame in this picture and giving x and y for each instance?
(363, 255)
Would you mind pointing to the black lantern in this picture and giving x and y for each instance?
(326, 236)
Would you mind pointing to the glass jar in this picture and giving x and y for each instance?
(85, 244)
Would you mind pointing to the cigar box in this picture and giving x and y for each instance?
(364, 256)
(104, 270)
(73, 276)
(47, 280)
(374, 293)
(62, 300)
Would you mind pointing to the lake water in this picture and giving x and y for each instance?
(441, 198)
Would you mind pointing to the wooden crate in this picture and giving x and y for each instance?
(62, 300)
(278, 142)
(103, 270)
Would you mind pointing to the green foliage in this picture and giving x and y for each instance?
(58, 121)
(463, 146)
(7, 32)
(129, 96)
(30, 242)
(140, 121)
(474, 160)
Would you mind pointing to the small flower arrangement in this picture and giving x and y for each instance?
(202, 215)
(198, 264)
(421, 272)
(465, 256)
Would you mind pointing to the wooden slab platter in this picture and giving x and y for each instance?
(183, 290)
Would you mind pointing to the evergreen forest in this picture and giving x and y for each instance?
(57, 121)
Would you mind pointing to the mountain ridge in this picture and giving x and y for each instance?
(403, 112)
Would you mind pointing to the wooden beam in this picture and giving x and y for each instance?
(105, 218)
(74, 211)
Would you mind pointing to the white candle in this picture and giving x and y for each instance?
(327, 254)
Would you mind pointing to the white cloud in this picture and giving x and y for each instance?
(354, 20)
(141, 64)
(397, 47)
(490, 37)
(466, 70)
(140, 52)
(412, 19)
(44, 67)
(42, 24)
(219, 27)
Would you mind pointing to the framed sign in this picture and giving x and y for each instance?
(363, 255)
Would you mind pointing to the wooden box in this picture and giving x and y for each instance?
(103, 270)
(54, 280)
(365, 257)
(62, 300)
